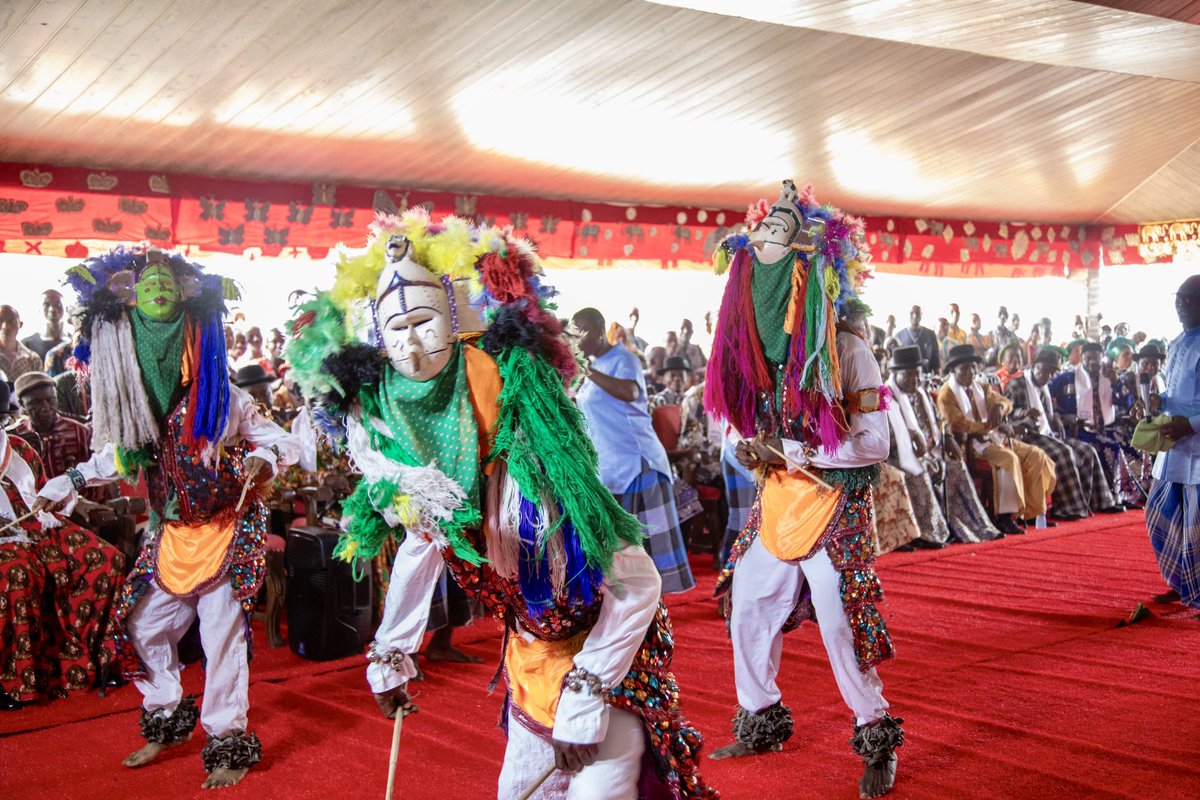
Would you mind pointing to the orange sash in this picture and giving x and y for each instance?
(535, 673)
(188, 555)
(796, 513)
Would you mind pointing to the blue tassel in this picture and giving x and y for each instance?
(212, 396)
(582, 580)
(533, 571)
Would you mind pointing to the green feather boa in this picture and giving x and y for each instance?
(549, 453)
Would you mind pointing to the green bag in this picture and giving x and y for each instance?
(1148, 436)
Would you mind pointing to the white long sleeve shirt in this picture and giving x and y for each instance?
(868, 441)
(246, 423)
(631, 593)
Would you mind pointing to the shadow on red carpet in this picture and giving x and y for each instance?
(1014, 675)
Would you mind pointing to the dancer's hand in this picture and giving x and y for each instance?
(260, 470)
(574, 757)
(746, 454)
(46, 504)
(1178, 428)
(391, 701)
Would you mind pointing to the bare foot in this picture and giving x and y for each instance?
(222, 777)
(739, 749)
(878, 779)
(148, 753)
(450, 653)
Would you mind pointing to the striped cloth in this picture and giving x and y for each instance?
(651, 499)
(1173, 521)
(739, 495)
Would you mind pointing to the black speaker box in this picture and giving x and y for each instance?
(328, 612)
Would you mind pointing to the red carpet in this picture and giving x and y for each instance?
(1013, 675)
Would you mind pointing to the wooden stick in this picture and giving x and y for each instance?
(246, 487)
(537, 783)
(391, 784)
(797, 465)
(18, 521)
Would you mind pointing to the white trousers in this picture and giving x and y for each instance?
(765, 591)
(613, 775)
(157, 624)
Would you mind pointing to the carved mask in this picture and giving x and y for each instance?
(158, 292)
(415, 320)
(772, 237)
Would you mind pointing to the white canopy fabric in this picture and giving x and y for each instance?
(1044, 110)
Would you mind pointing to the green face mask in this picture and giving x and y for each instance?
(158, 292)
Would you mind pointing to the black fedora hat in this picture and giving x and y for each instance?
(1151, 350)
(250, 375)
(906, 358)
(960, 354)
(673, 363)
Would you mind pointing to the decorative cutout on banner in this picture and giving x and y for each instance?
(1168, 239)
(65, 205)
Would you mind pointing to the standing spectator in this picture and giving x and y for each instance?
(672, 343)
(1172, 512)
(691, 352)
(1002, 335)
(275, 349)
(255, 354)
(64, 442)
(15, 358)
(52, 311)
(633, 463)
(977, 338)
(943, 339)
(638, 342)
(923, 338)
(955, 333)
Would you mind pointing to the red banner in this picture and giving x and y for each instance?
(42, 204)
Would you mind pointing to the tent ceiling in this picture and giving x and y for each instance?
(1003, 109)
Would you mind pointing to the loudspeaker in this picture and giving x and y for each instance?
(328, 612)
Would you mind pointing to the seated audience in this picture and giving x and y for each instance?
(943, 459)
(1081, 487)
(1023, 475)
(907, 454)
(47, 650)
(1088, 398)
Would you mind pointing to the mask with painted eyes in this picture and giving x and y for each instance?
(414, 315)
(782, 225)
(158, 292)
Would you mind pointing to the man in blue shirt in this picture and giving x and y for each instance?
(633, 462)
(1173, 509)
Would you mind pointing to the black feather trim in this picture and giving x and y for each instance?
(511, 328)
(355, 368)
(104, 305)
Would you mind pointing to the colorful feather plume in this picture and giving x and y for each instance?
(829, 272)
